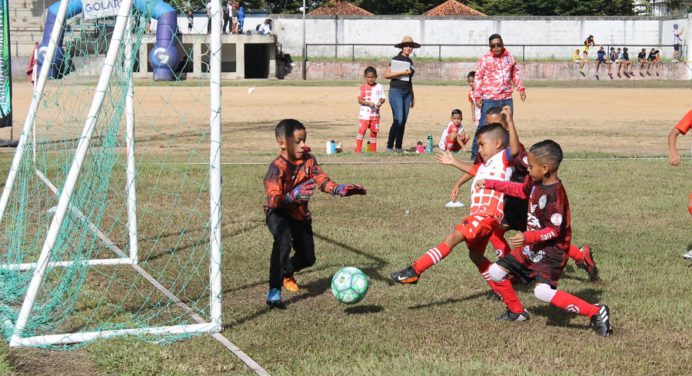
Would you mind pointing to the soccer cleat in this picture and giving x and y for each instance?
(408, 276)
(588, 264)
(274, 299)
(291, 285)
(601, 321)
(688, 255)
(513, 316)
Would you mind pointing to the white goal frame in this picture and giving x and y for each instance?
(121, 38)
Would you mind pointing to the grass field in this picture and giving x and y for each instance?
(633, 212)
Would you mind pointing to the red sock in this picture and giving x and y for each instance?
(373, 144)
(503, 288)
(571, 303)
(499, 243)
(431, 257)
(359, 143)
(575, 253)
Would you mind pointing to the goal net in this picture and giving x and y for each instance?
(111, 212)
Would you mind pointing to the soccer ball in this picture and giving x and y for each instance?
(349, 285)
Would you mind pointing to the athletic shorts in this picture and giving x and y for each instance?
(545, 266)
(372, 124)
(516, 213)
(477, 231)
(676, 47)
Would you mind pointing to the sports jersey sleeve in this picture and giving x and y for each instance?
(361, 92)
(474, 169)
(516, 77)
(324, 183)
(685, 123)
(478, 79)
(520, 190)
(553, 221)
(273, 187)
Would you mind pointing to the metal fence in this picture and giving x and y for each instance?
(447, 52)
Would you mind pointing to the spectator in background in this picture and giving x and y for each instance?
(492, 86)
(226, 18)
(234, 17)
(650, 59)
(190, 21)
(657, 60)
(642, 61)
(401, 98)
(601, 59)
(209, 17)
(613, 57)
(627, 64)
(677, 42)
(589, 42)
(241, 17)
(266, 28)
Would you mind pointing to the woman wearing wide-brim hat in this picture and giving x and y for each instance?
(401, 98)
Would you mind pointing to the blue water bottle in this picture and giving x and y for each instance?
(333, 147)
(429, 146)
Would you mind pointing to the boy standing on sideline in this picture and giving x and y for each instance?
(496, 71)
(289, 183)
(371, 98)
(475, 110)
(677, 42)
(682, 127)
(540, 253)
(486, 210)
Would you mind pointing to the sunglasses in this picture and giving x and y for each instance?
(497, 45)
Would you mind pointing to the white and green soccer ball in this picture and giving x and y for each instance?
(349, 285)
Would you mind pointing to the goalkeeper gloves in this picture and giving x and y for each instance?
(344, 190)
(301, 192)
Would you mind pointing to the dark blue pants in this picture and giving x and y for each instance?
(400, 102)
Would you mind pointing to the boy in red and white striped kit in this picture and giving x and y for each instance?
(486, 210)
(449, 140)
(541, 252)
(371, 98)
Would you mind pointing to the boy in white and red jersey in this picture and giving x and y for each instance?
(475, 110)
(371, 98)
(486, 210)
(449, 140)
(540, 253)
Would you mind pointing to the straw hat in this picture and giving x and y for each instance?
(407, 41)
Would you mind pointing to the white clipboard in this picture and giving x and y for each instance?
(398, 66)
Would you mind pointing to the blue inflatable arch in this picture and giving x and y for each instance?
(162, 58)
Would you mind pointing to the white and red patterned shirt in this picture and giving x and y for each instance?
(495, 75)
(445, 144)
(489, 202)
(370, 94)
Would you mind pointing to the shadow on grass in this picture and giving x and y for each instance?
(477, 295)
(559, 317)
(364, 309)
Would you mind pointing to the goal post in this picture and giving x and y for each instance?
(75, 228)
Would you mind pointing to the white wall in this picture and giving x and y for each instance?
(618, 32)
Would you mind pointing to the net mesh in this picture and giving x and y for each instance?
(172, 187)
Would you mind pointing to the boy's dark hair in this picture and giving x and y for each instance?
(495, 110)
(370, 69)
(471, 74)
(494, 36)
(548, 151)
(286, 127)
(495, 130)
(456, 111)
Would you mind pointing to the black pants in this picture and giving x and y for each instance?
(226, 22)
(287, 233)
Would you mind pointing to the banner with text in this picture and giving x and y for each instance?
(93, 9)
(5, 69)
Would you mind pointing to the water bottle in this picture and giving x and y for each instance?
(367, 147)
(429, 147)
(332, 147)
(329, 147)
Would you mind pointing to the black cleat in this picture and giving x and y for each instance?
(588, 264)
(601, 321)
(407, 276)
(513, 316)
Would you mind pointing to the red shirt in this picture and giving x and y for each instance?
(282, 176)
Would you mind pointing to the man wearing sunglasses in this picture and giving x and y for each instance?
(492, 86)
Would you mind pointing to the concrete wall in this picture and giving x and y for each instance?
(457, 71)
(388, 30)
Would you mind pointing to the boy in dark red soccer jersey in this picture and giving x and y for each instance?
(289, 183)
(540, 253)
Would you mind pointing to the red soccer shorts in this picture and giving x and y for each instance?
(477, 231)
(372, 124)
